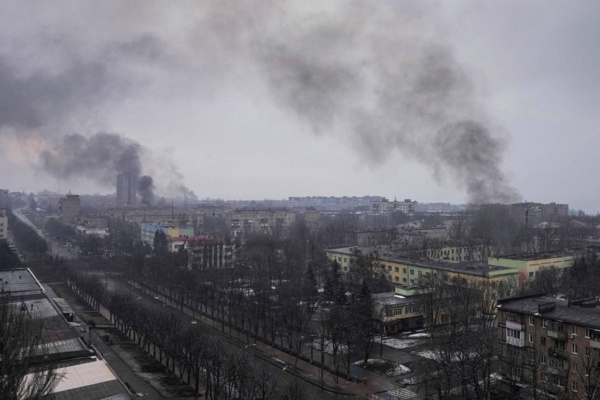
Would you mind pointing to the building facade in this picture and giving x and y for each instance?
(550, 345)
(3, 223)
(69, 208)
(126, 189)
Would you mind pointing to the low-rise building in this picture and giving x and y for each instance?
(149, 230)
(529, 265)
(397, 313)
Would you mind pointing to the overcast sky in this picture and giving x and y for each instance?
(434, 101)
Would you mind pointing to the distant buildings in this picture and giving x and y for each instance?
(384, 206)
(532, 214)
(69, 208)
(126, 189)
(249, 221)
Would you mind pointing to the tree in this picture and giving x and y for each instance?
(160, 244)
(24, 374)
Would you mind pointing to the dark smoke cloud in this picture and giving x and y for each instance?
(376, 73)
(99, 157)
(146, 190)
(390, 88)
(41, 103)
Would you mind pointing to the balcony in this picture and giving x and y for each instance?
(557, 334)
(557, 352)
(519, 342)
(517, 326)
(594, 344)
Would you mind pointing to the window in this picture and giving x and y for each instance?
(574, 348)
(588, 351)
(574, 329)
(531, 321)
(530, 338)
(545, 323)
(545, 377)
(543, 358)
(404, 280)
(389, 267)
(412, 271)
(404, 270)
(543, 340)
(574, 386)
(574, 367)
(531, 274)
(397, 269)
(513, 333)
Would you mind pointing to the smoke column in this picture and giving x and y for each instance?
(146, 190)
(377, 75)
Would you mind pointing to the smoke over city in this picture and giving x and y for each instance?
(374, 76)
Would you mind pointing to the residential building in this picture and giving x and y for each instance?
(248, 221)
(205, 252)
(69, 208)
(126, 189)
(3, 223)
(532, 214)
(149, 230)
(384, 206)
(550, 345)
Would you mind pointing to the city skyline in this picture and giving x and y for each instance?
(208, 117)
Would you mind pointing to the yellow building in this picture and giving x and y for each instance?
(405, 273)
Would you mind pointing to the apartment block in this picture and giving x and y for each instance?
(550, 345)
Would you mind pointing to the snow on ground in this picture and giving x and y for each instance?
(400, 343)
(379, 364)
(419, 335)
(432, 355)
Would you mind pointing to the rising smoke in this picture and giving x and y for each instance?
(377, 74)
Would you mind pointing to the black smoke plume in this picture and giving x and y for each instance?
(145, 189)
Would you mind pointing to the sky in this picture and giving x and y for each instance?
(462, 101)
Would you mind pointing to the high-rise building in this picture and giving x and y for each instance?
(69, 207)
(126, 189)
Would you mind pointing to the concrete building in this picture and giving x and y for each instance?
(384, 206)
(126, 189)
(404, 273)
(397, 313)
(85, 374)
(530, 264)
(205, 252)
(3, 223)
(551, 344)
(249, 221)
(535, 213)
(149, 230)
(69, 208)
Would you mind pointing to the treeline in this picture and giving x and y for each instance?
(26, 238)
(195, 355)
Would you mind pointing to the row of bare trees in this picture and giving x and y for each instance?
(198, 357)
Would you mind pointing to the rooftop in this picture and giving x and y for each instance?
(469, 268)
(588, 316)
(538, 256)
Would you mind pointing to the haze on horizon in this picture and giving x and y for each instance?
(457, 102)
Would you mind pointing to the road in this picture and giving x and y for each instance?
(259, 360)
